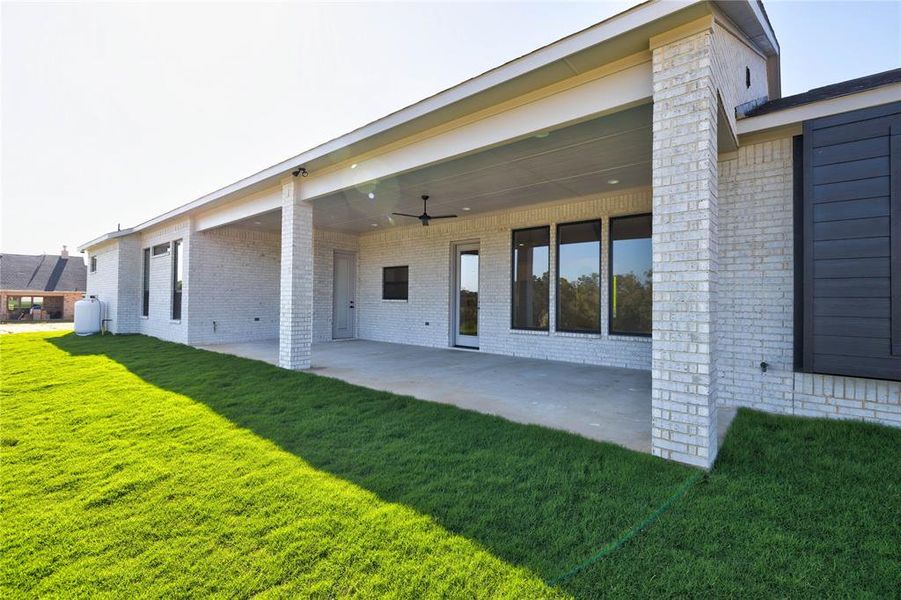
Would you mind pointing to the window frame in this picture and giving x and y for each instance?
(406, 297)
(557, 303)
(610, 331)
(166, 252)
(93, 265)
(175, 250)
(513, 325)
(146, 254)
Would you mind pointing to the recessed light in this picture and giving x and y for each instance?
(257, 223)
(375, 224)
(372, 195)
(542, 134)
(613, 181)
(466, 208)
(353, 166)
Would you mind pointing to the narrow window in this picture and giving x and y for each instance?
(145, 292)
(177, 275)
(579, 277)
(630, 275)
(93, 264)
(161, 249)
(747, 77)
(395, 283)
(531, 271)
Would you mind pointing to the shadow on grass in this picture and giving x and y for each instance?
(542, 499)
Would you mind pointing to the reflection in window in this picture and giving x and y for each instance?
(531, 265)
(177, 279)
(145, 284)
(630, 275)
(394, 283)
(579, 277)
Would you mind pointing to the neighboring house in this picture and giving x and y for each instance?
(637, 195)
(40, 287)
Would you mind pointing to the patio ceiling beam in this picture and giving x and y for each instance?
(616, 87)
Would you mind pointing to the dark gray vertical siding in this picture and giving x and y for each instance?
(851, 240)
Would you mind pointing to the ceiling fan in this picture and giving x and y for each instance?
(425, 217)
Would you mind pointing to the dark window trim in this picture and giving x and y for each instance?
(93, 264)
(407, 295)
(513, 276)
(798, 218)
(599, 330)
(145, 282)
(175, 251)
(610, 277)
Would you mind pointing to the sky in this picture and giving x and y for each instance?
(114, 113)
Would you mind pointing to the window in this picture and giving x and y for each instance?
(630, 275)
(145, 292)
(531, 272)
(177, 279)
(395, 283)
(93, 264)
(19, 307)
(161, 249)
(579, 277)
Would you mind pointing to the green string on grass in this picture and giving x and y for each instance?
(628, 535)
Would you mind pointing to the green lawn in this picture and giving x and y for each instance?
(133, 465)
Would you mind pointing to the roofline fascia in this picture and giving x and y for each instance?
(105, 238)
(632, 18)
(821, 108)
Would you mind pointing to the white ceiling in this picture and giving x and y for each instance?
(569, 162)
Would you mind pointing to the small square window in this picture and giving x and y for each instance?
(395, 283)
(161, 249)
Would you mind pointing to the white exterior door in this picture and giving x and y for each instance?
(343, 296)
(466, 296)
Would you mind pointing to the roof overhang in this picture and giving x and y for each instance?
(105, 238)
(619, 36)
(823, 108)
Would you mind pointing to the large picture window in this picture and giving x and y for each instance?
(531, 272)
(630, 275)
(145, 284)
(177, 279)
(579, 277)
(395, 283)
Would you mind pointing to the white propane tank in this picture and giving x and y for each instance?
(87, 316)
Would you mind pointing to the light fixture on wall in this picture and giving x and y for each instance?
(372, 195)
(300, 171)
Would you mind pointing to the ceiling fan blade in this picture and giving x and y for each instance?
(444, 217)
(406, 215)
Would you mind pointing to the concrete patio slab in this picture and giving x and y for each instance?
(601, 403)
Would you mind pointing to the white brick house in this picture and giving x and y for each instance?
(741, 279)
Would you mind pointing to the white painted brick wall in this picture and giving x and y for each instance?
(159, 322)
(428, 253)
(683, 394)
(104, 282)
(296, 290)
(234, 276)
(755, 305)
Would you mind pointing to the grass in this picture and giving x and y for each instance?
(130, 464)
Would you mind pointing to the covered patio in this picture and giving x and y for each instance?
(600, 403)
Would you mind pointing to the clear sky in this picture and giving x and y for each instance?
(114, 113)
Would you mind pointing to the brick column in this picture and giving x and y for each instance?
(296, 291)
(683, 393)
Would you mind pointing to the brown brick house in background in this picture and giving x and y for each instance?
(40, 287)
